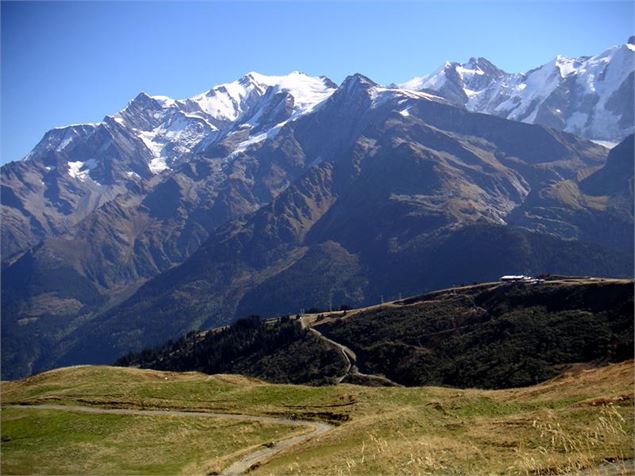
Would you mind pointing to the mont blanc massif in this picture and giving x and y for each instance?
(271, 195)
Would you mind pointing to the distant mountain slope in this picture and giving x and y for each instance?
(484, 336)
(149, 220)
(307, 193)
(410, 201)
(590, 96)
(75, 169)
(596, 208)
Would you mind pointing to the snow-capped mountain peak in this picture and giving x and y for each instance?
(257, 105)
(230, 101)
(225, 102)
(167, 130)
(307, 91)
(591, 96)
(58, 138)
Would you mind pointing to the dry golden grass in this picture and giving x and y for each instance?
(568, 192)
(573, 422)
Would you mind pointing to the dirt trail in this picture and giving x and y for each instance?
(348, 354)
(257, 457)
(351, 359)
(616, 468)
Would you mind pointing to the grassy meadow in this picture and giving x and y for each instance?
(37, 441)
(573, 422)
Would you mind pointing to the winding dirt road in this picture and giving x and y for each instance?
(241, 466)
(351, 359)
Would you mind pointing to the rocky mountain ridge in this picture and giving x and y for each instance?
(403, 202)
(273, 193)
(74, 170)
(590, 96)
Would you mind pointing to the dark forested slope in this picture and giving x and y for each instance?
(488, 336)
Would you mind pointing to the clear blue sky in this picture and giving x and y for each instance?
(66, 62)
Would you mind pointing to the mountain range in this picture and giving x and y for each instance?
(275, 193)
(590, 96)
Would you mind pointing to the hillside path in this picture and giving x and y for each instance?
(615, 468)
(256, 457)
(351, 359)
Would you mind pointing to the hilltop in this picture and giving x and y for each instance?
(489, 335)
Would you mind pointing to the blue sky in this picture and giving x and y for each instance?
(72, 62)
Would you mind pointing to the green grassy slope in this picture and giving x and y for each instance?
(58, 442)
(575, 421)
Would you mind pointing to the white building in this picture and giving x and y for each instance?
(512, 278)
(520, 278)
